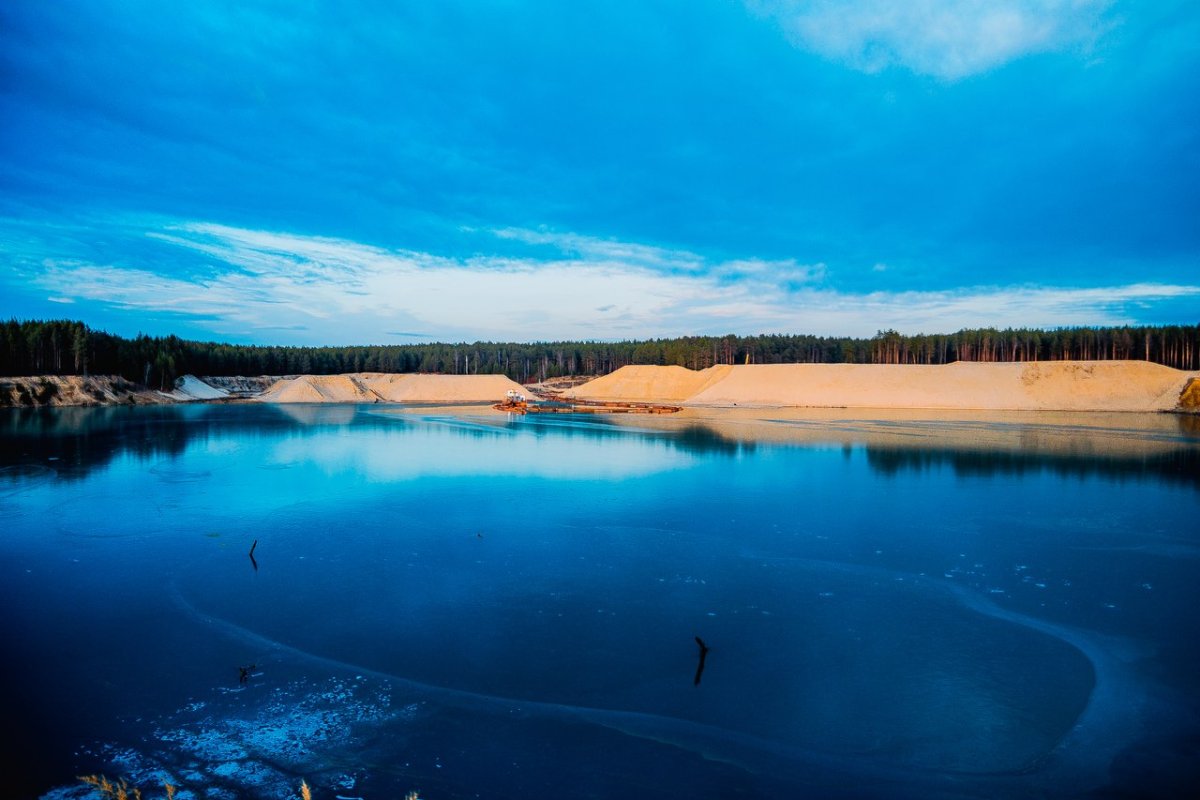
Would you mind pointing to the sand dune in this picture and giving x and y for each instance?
(410, 388)
(662, 384)
(316, 389)
(1047, 385)
(369, 387)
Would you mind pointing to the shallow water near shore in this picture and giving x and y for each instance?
(475, 605)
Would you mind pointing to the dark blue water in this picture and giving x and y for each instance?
(477, 606)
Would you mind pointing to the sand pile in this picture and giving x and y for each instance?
(385, 388)
(412, 388)
(663, 384)
(317, 389)
(1047, 385)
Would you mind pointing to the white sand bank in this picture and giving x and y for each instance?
(189, 387)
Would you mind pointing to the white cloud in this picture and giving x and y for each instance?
(349, 292)
(981, 306)
(948, 39)
(264, 285)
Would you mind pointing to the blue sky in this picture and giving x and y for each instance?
(391, 172)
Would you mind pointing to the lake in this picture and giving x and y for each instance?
(234, 598)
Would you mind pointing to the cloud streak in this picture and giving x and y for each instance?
(948, 39)
(260, 285)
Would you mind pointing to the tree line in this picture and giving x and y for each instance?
(66, 347)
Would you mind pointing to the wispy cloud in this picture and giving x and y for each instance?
(948, 39)
(255, 284)
(610, 251)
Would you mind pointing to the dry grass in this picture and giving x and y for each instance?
(110, 790)
(1189, 399)
(123, 791)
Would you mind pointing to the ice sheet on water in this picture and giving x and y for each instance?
(251, 744)
(169, 473)
(23, 477)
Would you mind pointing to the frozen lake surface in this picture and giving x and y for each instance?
(469, 605)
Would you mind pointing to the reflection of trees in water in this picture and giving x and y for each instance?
(1181, 465)
(80, 440)
(702, 439)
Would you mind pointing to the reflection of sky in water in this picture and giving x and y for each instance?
(437, 449)
(477, 604)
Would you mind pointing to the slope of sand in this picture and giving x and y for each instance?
(410, 388)
(76, 390)
(371, 387)
(189, 388)
(662, 384)
(316, 389)
(1046, 385)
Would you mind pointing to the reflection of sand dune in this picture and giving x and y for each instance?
(1046, 385)
(1086, 438)
(324, 415)
(368, 387)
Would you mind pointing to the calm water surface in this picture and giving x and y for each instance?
(470, 605)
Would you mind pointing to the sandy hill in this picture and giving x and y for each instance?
(316, 389)
(371, 387)
(662, 384)
(1047, 385)
(414, 388)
